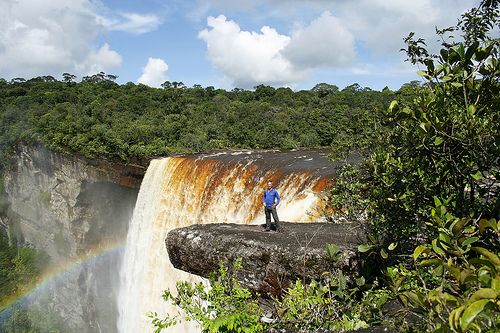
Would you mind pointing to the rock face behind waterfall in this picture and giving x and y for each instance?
(73, 209)
(271, 261)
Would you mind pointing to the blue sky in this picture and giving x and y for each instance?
(221, 43)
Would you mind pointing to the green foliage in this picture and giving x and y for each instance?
(333, 252)
(98, 118)
(345, 201)
(20, 267)
(442, 142)
(224, 306)
(330, 303)
(455, 286)
(446, 141)
(432, 184)
(34, 320)
(334, 302)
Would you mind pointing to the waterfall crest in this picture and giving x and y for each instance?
(180, 191)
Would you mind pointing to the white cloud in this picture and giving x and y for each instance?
(249, 57)
(344, 35)
(362, 70)
(131, 22)
(100, 60)
(324, 43)
(154, 73)
(52, 37)
(380, 24)
(202, 7)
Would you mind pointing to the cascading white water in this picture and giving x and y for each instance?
(180, 191)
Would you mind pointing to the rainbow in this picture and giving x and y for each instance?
(56, 271)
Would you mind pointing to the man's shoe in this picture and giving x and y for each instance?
(267, 230)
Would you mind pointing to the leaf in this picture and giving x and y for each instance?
(364, 247)
(458, 226)
(495, 283)
(471, 312)
(419, 250)
(483, 293)
(487, 254)
(392, 246)
(413, 298)
(444, 54)
(360, 281)
(384, 254)
(471, 109)
(465, 275)
(430, 65)
(423, 74)
(477, 176)
(438, 140)
(332, 251)
(482, 262)
(372, 239)
(444, 240)
(454, 318)
(468, 241)
(455, 271)
(394, 106)
(471, 50)
(438, 271)
(460, 50)
(456, 84)
(431, 262)
(407, 111)
(436, 248)
(484, 223)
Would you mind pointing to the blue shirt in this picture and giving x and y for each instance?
(270, 196)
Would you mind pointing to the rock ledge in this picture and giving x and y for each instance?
(271, 261)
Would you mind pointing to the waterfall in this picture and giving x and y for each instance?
(180, 191)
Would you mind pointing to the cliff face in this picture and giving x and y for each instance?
(270, 261)
(73, 208)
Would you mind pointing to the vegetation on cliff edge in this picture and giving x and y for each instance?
(98, 118)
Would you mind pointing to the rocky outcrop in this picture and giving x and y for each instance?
(271, 261)
(77, 211)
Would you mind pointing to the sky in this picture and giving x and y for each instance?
(221, 43)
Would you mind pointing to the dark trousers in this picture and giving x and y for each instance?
(269, 211)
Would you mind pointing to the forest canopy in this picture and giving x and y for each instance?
(99, 118)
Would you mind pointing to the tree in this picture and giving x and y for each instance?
(444, 142)
(166, 85)
(178, 85)
(432, 186)
(99, 78)
(17, 80)
(263, 91)
(325, 89)
(68, 78)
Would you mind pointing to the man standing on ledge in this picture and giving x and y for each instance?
(271, 199)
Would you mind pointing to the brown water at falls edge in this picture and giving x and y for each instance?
(208, 188)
